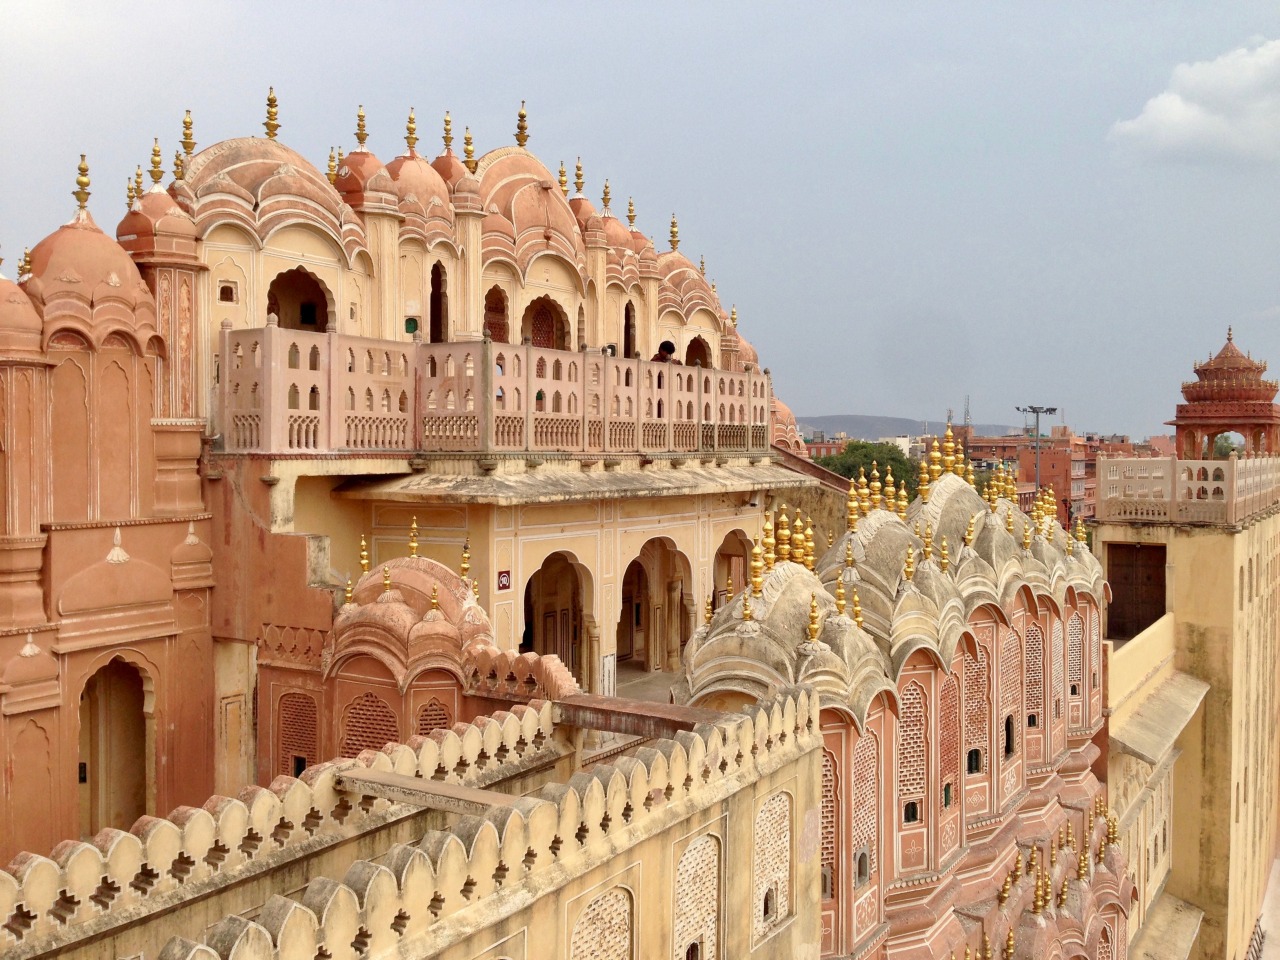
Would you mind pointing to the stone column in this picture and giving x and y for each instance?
(674, 610)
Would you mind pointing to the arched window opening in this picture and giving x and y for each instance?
(500, 399)
(694, 951)
(863, 868)
(770, 908)
(313, 398)
(629, 348)
(439, 304)
(295, 357)
(299, 301)
(545, 325)
(946, 795)
(699, 353)
(973, 761)
(227, 293)
(1033, 720)
(351, 398)
(1009, 742)
(293, 396)
(495, 316)
(828, 882)
(911, 812)
(313, 359)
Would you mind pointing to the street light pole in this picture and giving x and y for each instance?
(1047, 411)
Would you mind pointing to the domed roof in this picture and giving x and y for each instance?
(362, 173)
(20, 324)
(615, 232)
(449, 167)
(249, 163)
(515, 185)
(414, 176)
(157, 214)
(78, 269)
(1230, 375)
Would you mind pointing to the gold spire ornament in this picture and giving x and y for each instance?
(813, 618)
(875, 486)
(413, 537)
(465, 566)
(179, 166)
(1008, 522)
(747, 615)
(24, 265)
(137, 182)
(864, 492)
(959, 464)
(840, 599)
(757, 567)
(948, 450)
(928, 542)
(364, 555)
(348, 592)
(1113, 829)
(909, 567)
(579, 181)
(386, 578)
(411, 131)
(522, 126)
(797, 541)
(81, 192)
(1082, 863)
(890, 487)
(273, 112)
(332, 173)
(767, 541)
(469, 152)
(1081, 536)
(702, 269)
(563, 180)
(851, 507)
(944, 561)
(922, 482)
(435, 596)
(675, 234)
(903, 502)
(188, 138)
(129, 195)
(157, 163)
(448, 132)
(857, 609)
(1010, 945)
(784, 536)
(1026, 533)
(986, 947)
(605, 197)
(361, 133)
(809, 560)
(969, 476)
(968, 531)
(935, 462)
(706, 616)
(631, 213)
(1005, 889)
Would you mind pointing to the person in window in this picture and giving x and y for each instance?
(666, 353)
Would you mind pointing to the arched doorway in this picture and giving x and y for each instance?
(553, 605)
(495, 316)
(439, 305)
(299, 301)
(115, 749)
(545, 325)
(733, 561)
(629, 348)
(633, 622)
(697, 352)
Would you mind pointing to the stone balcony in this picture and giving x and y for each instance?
(1169, 490)
(290, 392)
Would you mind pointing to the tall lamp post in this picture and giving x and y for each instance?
(1047, 411)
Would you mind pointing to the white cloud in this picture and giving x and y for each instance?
(1223, 108)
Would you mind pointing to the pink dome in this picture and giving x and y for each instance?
(80, 262)
(449, 167)
(414, 176)
(20, 324)
(361, 172)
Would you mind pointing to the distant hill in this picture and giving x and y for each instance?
(873, 428)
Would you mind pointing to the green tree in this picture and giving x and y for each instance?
(859, 453)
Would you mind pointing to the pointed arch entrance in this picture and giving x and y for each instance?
(732, 564)
(657, 613)
(438, 316)
(299, 301)
(545, 325)
(115, 770)
(554, 600)
(698, 352)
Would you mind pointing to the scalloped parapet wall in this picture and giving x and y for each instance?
(507, 674)
(87, 888)
(420, 898)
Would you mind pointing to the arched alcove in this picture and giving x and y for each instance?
(299, 301)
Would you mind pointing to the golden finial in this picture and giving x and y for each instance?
(340, 156)
(757, 567)
(137, 182)
(332, 172)
(522, 126)
(1053, 853)
(348, 592)
(986, 947)
(1005, 889)
(903, 502)
(928, 541)
(958, 469)
(728, 587)
(631, 213)
(1113, 829)
(361, 134)
(944, 560)
(733, 315)
(1071, 837)
(702, 269)
(675, 234)
(813, 618)
(706, 616)
(851, 507)
(1010, 944)
(364, 555)
(784, 536)
(840, 604)
(916, 529)
(966, 953)
(935, 461)
(1008, 522)
(129, 195)
(857, 609)
(1082, 863)
(747, 616)
(179, 166)
(874, 486)
(1026, 533)
(465, 566)
(809, 552)
(435, 596)
(969, 476)
(848, 553)
(797, 541)
(606, 196)
(273, 112)
(188, 138)
(909, 567)
(157, 163)
(1062, 894)
(890, 487)
(968, 531)
(411, 131)
(767, 541)
(413, 537)
(448, 132)
(563, 179)
(578, 180)
(1102, 851)
(922, 482)
(469, 152)
(1017, 863)
(1034, 860)
(864, 492)
(386, 578)
(475, 588)
(24, 265)
(1081, 536)
(830, 539)
(948, 450)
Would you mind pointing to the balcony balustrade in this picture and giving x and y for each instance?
(292, 392)
(1169, 490)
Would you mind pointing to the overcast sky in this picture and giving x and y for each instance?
(1025, 203)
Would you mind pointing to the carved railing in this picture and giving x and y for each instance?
(284, 391)
(1169, 490)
